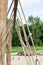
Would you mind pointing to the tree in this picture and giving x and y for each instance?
(31, 19)
(36, 29)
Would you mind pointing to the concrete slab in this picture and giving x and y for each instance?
(22, 60)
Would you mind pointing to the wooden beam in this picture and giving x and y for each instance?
(3, 12)
(15, 10)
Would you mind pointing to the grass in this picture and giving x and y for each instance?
(17, 49)
(37, 48)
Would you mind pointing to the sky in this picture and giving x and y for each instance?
(31, 7)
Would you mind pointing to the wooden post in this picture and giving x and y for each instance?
(15, 10)
(3, 12)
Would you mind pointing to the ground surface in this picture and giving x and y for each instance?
(21, 60)
(17, 60)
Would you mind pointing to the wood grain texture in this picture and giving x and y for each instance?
(15, 10)
(3, 12)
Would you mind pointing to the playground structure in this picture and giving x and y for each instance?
(6, 32)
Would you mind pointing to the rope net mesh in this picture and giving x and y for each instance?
(9, 27)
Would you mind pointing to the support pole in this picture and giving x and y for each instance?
(15, 10)
(3, 12)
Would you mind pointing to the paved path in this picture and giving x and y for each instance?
(21, 60)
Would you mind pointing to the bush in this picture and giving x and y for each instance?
(15, 38)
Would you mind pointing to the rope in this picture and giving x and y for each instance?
(10, 7)
(22, 43)
(27, 43)
(12, 12)
(37, 61)
(28, 28)
(19, 34)
(26, 21)
(8, 29)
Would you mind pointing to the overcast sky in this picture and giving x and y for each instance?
(32, 7)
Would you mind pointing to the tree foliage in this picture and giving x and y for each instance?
(36, 29)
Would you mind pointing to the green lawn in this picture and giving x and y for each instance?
(16, 49)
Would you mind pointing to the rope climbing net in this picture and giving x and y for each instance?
(14, 14)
